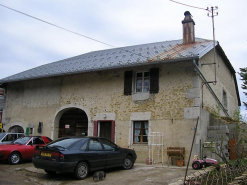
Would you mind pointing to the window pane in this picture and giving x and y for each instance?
(136, 139)
(146, 74)
(139, 85)
(139, 82)
(22, 140)
(138, 75)
(137, 124)
(146, 82)
(224, 100)
(145, 138)
(142, 82)
(145, 89)
(146, 125)
(108, 145)
(65, 142)
(84, 146)
(138, 89)
(95, 145)
(140, 132)
(38, 140)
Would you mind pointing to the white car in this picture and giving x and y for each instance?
(6, 138)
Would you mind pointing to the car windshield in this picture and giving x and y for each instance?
(22, 140)
(2, 135)
(63, 143)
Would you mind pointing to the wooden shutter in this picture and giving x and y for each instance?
(113, 131)
(154, 80)
(127, 82)
(95, 128)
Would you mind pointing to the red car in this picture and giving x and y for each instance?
(22, 148)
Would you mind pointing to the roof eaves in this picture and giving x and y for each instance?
(141, 63)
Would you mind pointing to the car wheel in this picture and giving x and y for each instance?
(50, 172)
(128, 163)
(14, 158)
(196, 165)
(81, 171)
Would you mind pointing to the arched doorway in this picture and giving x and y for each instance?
(16, 129)
(73, 122)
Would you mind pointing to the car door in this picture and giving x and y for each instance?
(114, 155)
(30, 146)
(96, 155)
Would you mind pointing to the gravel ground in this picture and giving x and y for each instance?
(26, 173)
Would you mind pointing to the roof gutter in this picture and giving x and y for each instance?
(210, 89)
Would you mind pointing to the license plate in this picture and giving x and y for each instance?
(45, 154)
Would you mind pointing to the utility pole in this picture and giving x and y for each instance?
(213, 11)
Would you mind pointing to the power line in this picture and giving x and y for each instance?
(57, 26)
(188, 5)
(72, 31)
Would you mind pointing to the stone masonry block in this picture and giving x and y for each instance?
(193, 93)
(191, 112)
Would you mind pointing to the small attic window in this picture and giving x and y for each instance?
(224, 99)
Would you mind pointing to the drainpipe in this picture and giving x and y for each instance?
(210, 89)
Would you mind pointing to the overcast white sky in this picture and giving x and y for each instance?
(27, 43)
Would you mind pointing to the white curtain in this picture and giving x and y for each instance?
(146, 127)
(137, 131)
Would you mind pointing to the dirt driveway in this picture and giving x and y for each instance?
(25, 174)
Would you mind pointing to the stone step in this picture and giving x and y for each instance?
(221, 127)
(219, 131)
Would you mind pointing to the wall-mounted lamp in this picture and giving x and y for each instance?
(104, 115)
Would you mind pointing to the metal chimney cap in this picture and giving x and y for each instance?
(187, 13)
(188, 18)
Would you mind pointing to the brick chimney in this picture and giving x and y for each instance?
(188, 29)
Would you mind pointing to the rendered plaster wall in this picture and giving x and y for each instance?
(31, 102)
(172, 111)
(225, 81)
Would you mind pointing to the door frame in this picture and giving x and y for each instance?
(96, 126)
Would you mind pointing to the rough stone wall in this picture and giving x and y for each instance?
(225, 81)
(98, 93)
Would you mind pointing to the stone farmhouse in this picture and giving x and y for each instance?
(126, 93)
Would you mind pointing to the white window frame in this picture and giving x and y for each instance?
(224, 98)
(143, 78)
(133, 131)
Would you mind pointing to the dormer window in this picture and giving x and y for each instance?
(142, 82)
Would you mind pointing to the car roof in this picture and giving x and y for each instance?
(88, 137)
(10, 133)
(34, 136)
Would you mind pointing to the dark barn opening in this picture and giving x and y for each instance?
(74, 122)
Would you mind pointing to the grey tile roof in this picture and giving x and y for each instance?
(118, 58)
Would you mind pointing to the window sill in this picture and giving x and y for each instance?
(139, 144)
(140, 96)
